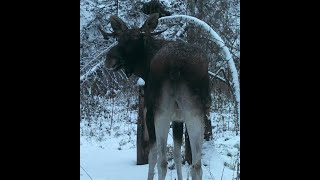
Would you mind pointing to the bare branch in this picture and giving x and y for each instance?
(181, 31)
(217, 76)
(94, 69)
(222, 172)
(86, 172)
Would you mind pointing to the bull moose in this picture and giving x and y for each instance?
(176, 89)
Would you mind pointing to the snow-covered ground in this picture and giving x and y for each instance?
(108, 151)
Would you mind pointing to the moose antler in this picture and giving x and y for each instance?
(156, 33)
(105, 34)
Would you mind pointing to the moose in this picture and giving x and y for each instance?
(176, 89)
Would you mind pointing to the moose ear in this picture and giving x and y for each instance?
(117, 25)
(151, 23)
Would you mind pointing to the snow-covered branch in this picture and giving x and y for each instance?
(90, 72)
(94, 68)
(218, 40)
(181, 31)
(217, 76)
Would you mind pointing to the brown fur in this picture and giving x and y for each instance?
(157, 60)
(160, 63)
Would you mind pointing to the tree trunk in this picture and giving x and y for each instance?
(142, 145)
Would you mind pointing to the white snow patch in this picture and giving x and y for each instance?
(140, 82)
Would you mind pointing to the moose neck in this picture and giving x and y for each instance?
(151, 47)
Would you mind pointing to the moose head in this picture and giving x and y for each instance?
(132, 43)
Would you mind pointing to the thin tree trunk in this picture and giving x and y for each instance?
(142, 145)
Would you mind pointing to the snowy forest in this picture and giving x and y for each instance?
(110, 102)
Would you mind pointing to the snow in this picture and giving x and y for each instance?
(105, 161)
(140, 82)
(101, 6)
(85, 17)
(109, 153)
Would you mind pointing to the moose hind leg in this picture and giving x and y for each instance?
(177, 140)
(195, 126)
(152, 160)
(153, 152)
(162, 125)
